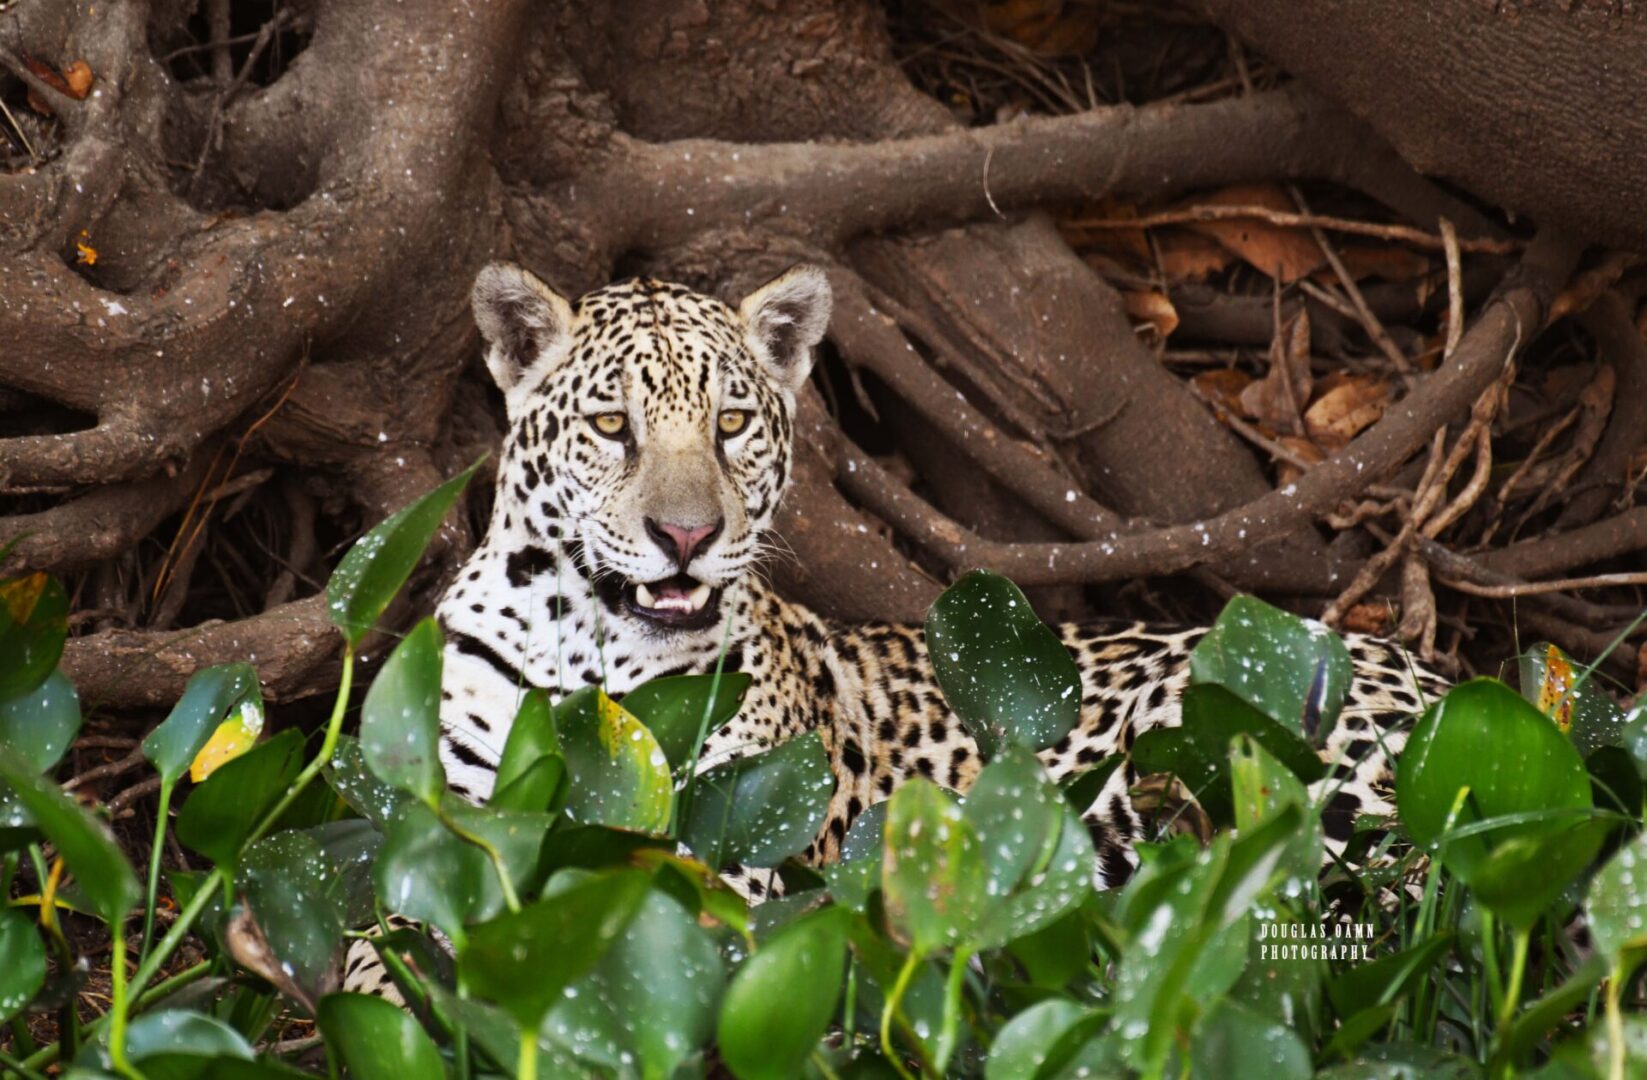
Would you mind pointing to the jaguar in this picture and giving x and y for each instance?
(650, 439)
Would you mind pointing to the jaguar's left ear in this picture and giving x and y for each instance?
(787, 317)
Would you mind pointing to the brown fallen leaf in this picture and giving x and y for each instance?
(1285, 471)
(1154, 309)
(1285, 254)
(1222, 387)
(1190, 256)
(1344, 406)
(1368, 619)
(1048, 27)
(78, 76)
(1278, 399)
(1388, 262)
(75, 82)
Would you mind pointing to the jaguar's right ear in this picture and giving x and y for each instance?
(526, 324)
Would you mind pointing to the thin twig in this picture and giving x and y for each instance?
(1538, 588)
(60, 102)
(1199, 213)
(1455, 289)
(1364, 314)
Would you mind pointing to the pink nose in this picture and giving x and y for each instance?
(682, 542)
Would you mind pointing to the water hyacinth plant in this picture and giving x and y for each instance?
(576, 924)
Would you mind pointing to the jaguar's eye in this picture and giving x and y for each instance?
(610, 424)
(733, 421)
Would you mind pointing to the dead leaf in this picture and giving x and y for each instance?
(1130, 245)
(1278, 400)
(78, 77)
(1222, 387)
(1049, 27)
(1285, 254)
(1285, 471)
(251, 950)
(1189, 256)
(1368, 619)
(1555, 698)
(1153, 308)
(1344, 406)
(1387, 262)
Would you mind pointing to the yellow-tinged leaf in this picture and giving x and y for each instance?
(1555, 698)
(615, 720)
(233, 737)
(21, 594)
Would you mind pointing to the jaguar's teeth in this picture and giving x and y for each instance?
(644, 597)
(698, 597)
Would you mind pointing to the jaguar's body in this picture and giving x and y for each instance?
(649, 444)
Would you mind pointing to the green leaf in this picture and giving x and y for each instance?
(634, 1008)
(672, 708)
(223, 811)
(542, 788)
(400, 720)
(425, 871)
(525, 960)
(619, 775)
(1278, 985)
(206, 700)
(1614, 782)
(381, 561)
(1294, 671)
(1387, 979)
(377, 1040)
(531, 738)
(184, 1031)
(100, 870)
(303, 891)
(1617, 901)
(1035, 1043)
(1037, 854)
(1002, 670)
(34, 622)
(381, 804)
(22, 962)
(40, 724)
(1482, 736)
(1262, 788)
(185, 1066)
(1054, 954)
(1235, 1041)
(935, 880)
(1524, 875)
(781, 1002)
(761, 809)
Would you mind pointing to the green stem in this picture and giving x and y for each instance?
(117, 1012)
(527, 1069)
(334, 728)
(154, 866)
(948, 1030)
(905, 975)
(20, 1068)
(1518, 971)
(510, 900)
(1489, 957)
(1615, 1024)
(689, 780)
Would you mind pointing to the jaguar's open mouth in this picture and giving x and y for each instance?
(680, 602)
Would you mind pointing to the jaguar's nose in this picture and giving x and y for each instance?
(683, 542)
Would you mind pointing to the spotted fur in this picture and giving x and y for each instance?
(548, 600)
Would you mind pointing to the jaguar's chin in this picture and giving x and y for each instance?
(681, 602)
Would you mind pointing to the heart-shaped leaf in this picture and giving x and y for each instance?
(221, 813)
(761, 809)
(400, 720)
(380, 562)
(34, 622)
(934, 876)
(22, 962)
(673, 709)
(620, 776)
(781, 1002)
(1617, 905)
(206, 700)
(632, 1008)
(40, 724)
(1483, 737)
(1002, 670)
(377, 1040)
(174, 1031)
(525, 960)
(1294, 671)
(531, 737)
(100, 870)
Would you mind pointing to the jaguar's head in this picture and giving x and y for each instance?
(650, 428)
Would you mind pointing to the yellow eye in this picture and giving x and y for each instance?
(610, 424)
(733, 421)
